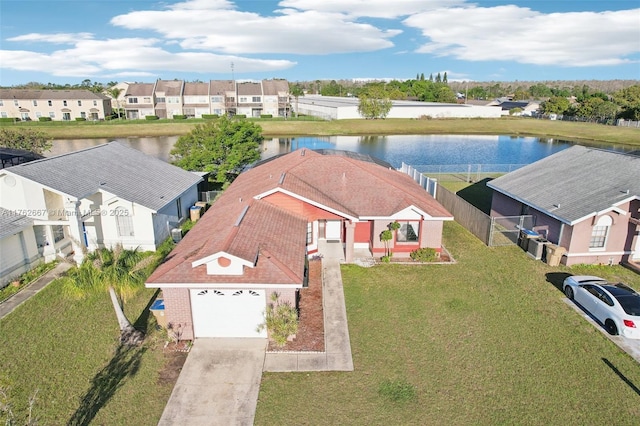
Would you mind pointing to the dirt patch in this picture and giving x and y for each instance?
(173, 362)
(310, 336)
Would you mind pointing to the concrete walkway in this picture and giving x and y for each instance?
(17, 299)
(218, 385)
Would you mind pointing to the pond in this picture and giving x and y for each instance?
(415, 150)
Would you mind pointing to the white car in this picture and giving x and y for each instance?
(616, 306)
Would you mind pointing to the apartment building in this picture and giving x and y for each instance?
(168, 98)
(58, 105)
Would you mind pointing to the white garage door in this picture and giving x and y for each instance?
(228, 313)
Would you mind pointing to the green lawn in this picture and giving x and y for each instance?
(578, 132)
(488, 340)
(66, 351)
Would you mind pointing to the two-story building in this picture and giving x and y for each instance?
(57, 105)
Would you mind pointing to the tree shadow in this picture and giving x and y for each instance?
(125, 363)
(557, 278)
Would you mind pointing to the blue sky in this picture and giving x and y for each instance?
(68, 41)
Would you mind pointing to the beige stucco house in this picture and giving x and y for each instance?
(58, 105)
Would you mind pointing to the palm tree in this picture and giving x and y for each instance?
(120, 272)
(114, 92)
(296, 91)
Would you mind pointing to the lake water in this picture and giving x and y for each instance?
(415, 150)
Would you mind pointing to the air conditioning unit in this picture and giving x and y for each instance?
(176, 234)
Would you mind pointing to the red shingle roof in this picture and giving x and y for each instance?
(275, 237)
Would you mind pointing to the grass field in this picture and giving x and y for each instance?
(488, 340)
(578, 132)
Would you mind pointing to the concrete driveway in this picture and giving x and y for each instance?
(219, 383)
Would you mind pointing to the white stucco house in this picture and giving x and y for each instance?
(18, 248)
(98, 197)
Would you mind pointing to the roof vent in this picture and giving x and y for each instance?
(302, 153)
(281, 178)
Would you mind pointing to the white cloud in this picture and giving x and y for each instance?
(511, 33)
(370, 8)
(91, 57)
(58, 38)
(219, 27)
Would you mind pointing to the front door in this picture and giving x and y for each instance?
(333, 230)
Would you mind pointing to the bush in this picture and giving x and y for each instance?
(9, 119)
(179, 117)
(151, 117)
(240, 116)
(266, 115)
(44, 118)
(210, 116)
(81, 119)
(281, 320)
(425, 254)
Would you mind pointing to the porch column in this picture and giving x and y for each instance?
(76, 234)
(350, 231)
(49, 249)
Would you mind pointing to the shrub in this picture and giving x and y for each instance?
(179, 117)
(44, 118)
(9, 119)
(151, 117)
(266, 115)
(425, 254)
(81, 119)
(281, 320)
(210, 116)
(240, 116)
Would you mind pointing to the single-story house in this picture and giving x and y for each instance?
(18, 249)
(101, 196)
(256, 238)
(585, 200)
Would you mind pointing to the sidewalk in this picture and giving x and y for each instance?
(16, 300)
(337, 354)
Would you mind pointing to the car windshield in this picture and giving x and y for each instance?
(628, 298)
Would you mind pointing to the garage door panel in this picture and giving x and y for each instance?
(228, 313)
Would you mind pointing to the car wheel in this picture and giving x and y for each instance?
(568, 291)
(611, 327)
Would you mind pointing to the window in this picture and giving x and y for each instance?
(1, 102)
(95, 103)
(146, 100)
(50, 103)
(243, 99)
(408, 231)
(79, 102)
(35, 103)
(58, 233)
(64, 103)
(132, 100)
(309, 233)
(161, 100)
(123, 222)
(16, 103)
(599, 233)
(52, 115)
(83, 114)
(38, 114)
(66, 116)
(255, 99)
(216, 99)
(4, 114)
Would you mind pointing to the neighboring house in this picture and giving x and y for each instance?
(117, 103)
(18, 249)
(256, 237)
(585, 200)
(101, 196)
(167, 98)
(12, 157)
(58, 105)
(506, 104)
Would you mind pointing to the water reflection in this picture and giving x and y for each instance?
(411, 149)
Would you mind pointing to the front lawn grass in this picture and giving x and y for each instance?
(66, 352)
(488, 340)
